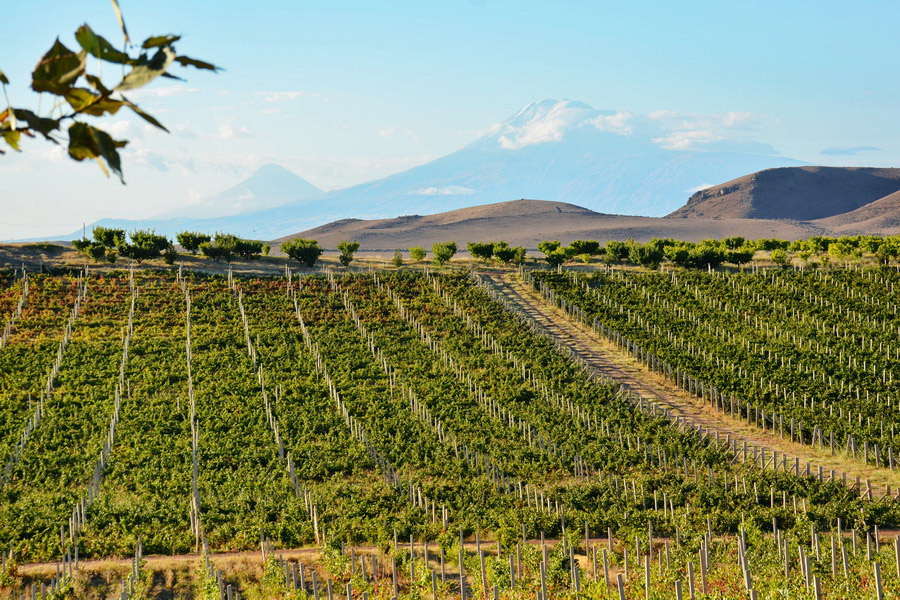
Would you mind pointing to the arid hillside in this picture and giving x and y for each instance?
(527, 222)
(797, 193)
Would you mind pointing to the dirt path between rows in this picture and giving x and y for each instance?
(607, 359)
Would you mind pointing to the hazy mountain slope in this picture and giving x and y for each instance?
(269, 187)
(801, 193)
(558, 150)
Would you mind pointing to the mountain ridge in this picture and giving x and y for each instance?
(805, 193)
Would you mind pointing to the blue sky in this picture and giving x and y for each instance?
(345, 92)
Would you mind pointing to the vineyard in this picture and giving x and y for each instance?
(428, 441)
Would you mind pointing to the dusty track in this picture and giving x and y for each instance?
(609, 360)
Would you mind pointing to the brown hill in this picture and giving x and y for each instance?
(879, 217)
(799, 193)
(527, 222)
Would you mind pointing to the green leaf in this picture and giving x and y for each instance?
(146, 116)
(160, 40)
(86, 141)
(96, 45)
(145, 70)
(97, 84)
(121, 20)
(86, 101)
(42, 125)
(186, 60)
(57, 70)
(9, 114)
(3, 78)
(12, 138)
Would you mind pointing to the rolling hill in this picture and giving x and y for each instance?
(527, 222)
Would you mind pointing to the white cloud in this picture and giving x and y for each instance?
(699, 188)
(397, 133)
(229, 132)
(447, 190)
(541, 123)
(620, 122)
(287, 96)
(123, 129)
(161, 92)
(684, 140)
(551, 121)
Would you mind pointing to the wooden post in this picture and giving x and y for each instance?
(647, 577)
(879, 591)
(606, 568)
(703, 585)
(691, 591)
(897, 554)
(621, 583)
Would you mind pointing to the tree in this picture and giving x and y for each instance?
(397, 261)
(347, 249)
(191, 240)
(554, 254)
(888, 250)
(771, 244)
(616, 250)
(110, 238)
(104, 244)
(481, 250)
(679, 254)
(503, 252)
(248, 249)
(303, 251)
(546, 247)
(733, 243)
(742, 256)
(417, 253)
(647, 255)
(443, 251)
(63, 73)
(94, 250)
(217, 253)
(780, 257)
(589, 247)
(518, 255)
(227, 246)
(144, 245)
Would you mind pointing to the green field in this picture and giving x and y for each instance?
(372, 409)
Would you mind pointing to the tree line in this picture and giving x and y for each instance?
(730, 250)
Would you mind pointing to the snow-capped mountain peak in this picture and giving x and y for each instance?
(545, 121)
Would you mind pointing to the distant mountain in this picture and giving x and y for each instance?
(269, 187)
(561, 150)
(555, 150)
(528, 222)
(800, 193)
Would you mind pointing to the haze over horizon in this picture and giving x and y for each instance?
(346, 93)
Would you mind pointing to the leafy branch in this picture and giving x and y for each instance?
(63, 73)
